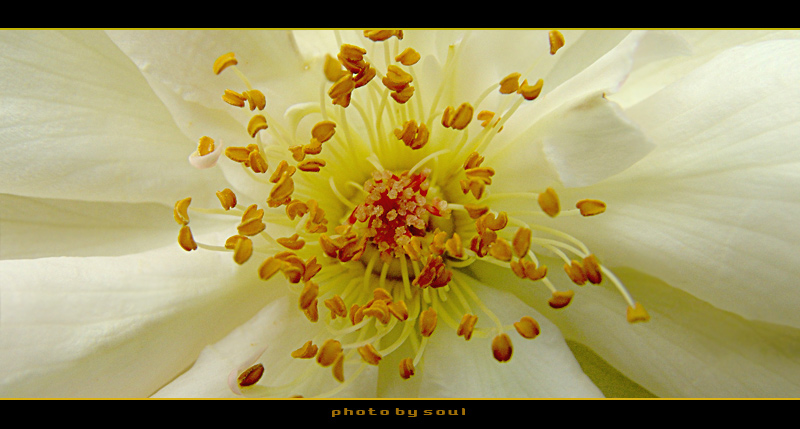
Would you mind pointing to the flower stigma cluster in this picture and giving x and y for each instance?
(384, 198)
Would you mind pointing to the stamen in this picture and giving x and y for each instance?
(502, 348)
(251, 375)
(522, 242)
(590, 207)
(227, 198)
(530, 92)
(408, 57)
(180, 212)
(381, 35)
(427, 322)
(186, 240)
(527, 327)
(234, 98)
(509, 84)
(591, 267)
(330, 350)
(311, 165)
(251, 223)
(406, 368)
(548, 201)
(269, 267)
(256, 124)
(369, 354)
(637, 314)
(561, 299)
(556, 41)
(242, 248)
(467, 325)
(307, 351)
(224, 61)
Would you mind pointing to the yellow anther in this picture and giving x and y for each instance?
(527, 327)
(344, 86)
(186, 240)
(323, 131)
(398, 310)
(328, 246)
(329, 351)
(234, 98)
(242, 248)
(591, 207)
(337, 306)
(181, 211)
(381, 35)
(238, 154)
(561, 299)
(637, 314)
(269, 267)
(406, 368)
(522, 242)
(364, 76)
(338, 368)
(281, 193)
(257, 162)
(575, 272)
(556, 41)
(407, 132)
(474, 160)
(437, 246)
(298, 154)
(494, 223)
(454, 246)
(314, 147)
(403, 96)
(311, 165)
(205, 145)
(530, 92)
(509, 84)
(528, 270)
(475, 211)
(251, 223)
(501, 250)
(369, 354)
(356, 314)
(312, 312)
(293, 242)
(296, 208)
(306, 351)
(408, 57)
(475, 186)
(308, 294)
(427, 322)
(256, 124)
(485, 116)
(396, 78)
(461, 117)
(413, 249)
(251, 375)
(352, 250)
(293, 267)
(227, 198)
(283, 168)
(548, 201)
(255, 99)
(467, 326)
(502, 348)
(351, 53)
(224, 61)
(333, 69)
(379, 310)
(483, 174)
(382, 294)
(591, 267)
(312, 268)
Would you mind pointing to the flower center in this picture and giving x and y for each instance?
(390, 269)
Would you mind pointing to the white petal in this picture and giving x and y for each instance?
(277, 330)
(117, 326)
(79, 122)
(711, 210)
(577, 145)
(687, 349)
(539, 367)
(35, 228)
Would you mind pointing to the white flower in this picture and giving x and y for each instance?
(687, 141)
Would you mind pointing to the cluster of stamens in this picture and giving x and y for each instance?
(393, 223)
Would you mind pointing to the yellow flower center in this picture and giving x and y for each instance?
(383, 231)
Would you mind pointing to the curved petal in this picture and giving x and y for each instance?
(687, 349)
(117, 326)
(539, 367)
(268, 339)
(711, 210)
(38, 227)
(79, 122)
